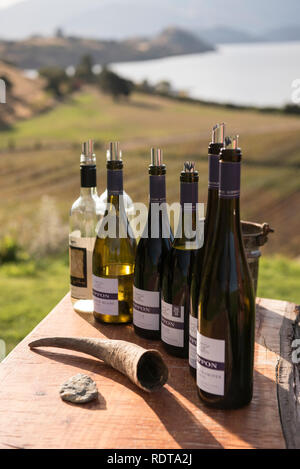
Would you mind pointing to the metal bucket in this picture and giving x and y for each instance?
(254, 236)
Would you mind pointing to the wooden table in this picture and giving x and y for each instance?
(32, 415)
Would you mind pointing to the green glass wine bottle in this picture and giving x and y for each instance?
(214, 149)
(175, 296)
(225, 336)
(114, 251)
(154, 245)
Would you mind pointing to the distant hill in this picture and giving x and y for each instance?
(286, 34)
(37, 52)
(24, 97)
(225, 35)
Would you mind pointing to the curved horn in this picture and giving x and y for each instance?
(145, 368)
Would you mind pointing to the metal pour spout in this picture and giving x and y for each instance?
(114, 152)
(88, 156)
(189, 166)
(156, 157)
(218, 133)
(232, 143)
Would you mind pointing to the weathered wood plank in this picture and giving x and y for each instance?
(33, 416)
(288, 378)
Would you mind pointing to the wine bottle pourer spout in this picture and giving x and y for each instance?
(156, 157)
(189, 166)
(87, 153)
(114, 153)
(218, 133)
(232, 143)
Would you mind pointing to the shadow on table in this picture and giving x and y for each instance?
(180, 423)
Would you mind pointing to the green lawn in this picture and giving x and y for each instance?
(279, 278)
(32, 290)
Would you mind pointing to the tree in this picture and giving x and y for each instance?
(57, 80)
(164, 87)
(84, 69)
(113, 84)
(59, 33)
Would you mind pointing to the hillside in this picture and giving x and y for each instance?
(24, 99)
(45, 157)
(37, 52)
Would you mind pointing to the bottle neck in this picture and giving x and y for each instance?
(213, 172)
(88, 192)
(229, 213)
(187, 229)
(158, 225)
(88, 176)
(229, 194)
(211, 210)
(114, 181)
(157, 189)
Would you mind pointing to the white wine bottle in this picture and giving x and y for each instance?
(177, 271)
(114, 251)
(152, 250)
(84, 216)
(225, 338)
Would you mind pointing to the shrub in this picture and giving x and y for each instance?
(113, 84)
(9, 249)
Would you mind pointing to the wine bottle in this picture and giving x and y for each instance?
(154, 245)
(225, 338)
(114, 251)
(175, 297)
(84, 217)
(214, 149)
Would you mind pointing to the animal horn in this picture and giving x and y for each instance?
(145, 368)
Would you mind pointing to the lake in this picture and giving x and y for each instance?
(259, 74)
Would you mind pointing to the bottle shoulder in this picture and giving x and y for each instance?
(84, 204)
(128, 203)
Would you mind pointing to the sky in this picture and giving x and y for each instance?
(8, 3)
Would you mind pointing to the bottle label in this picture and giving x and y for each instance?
(210, 364)
(213, 171)
(172, 324)
(105, 295)
(115, 181)
(157, 189)
(80, 259)
(193, 342)
(146, 309)
(230, 175)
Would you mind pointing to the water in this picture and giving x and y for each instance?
(259, 74)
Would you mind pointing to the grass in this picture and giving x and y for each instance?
(279, 278)
(31, 291)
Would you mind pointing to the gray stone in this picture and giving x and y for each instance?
(79, 389)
